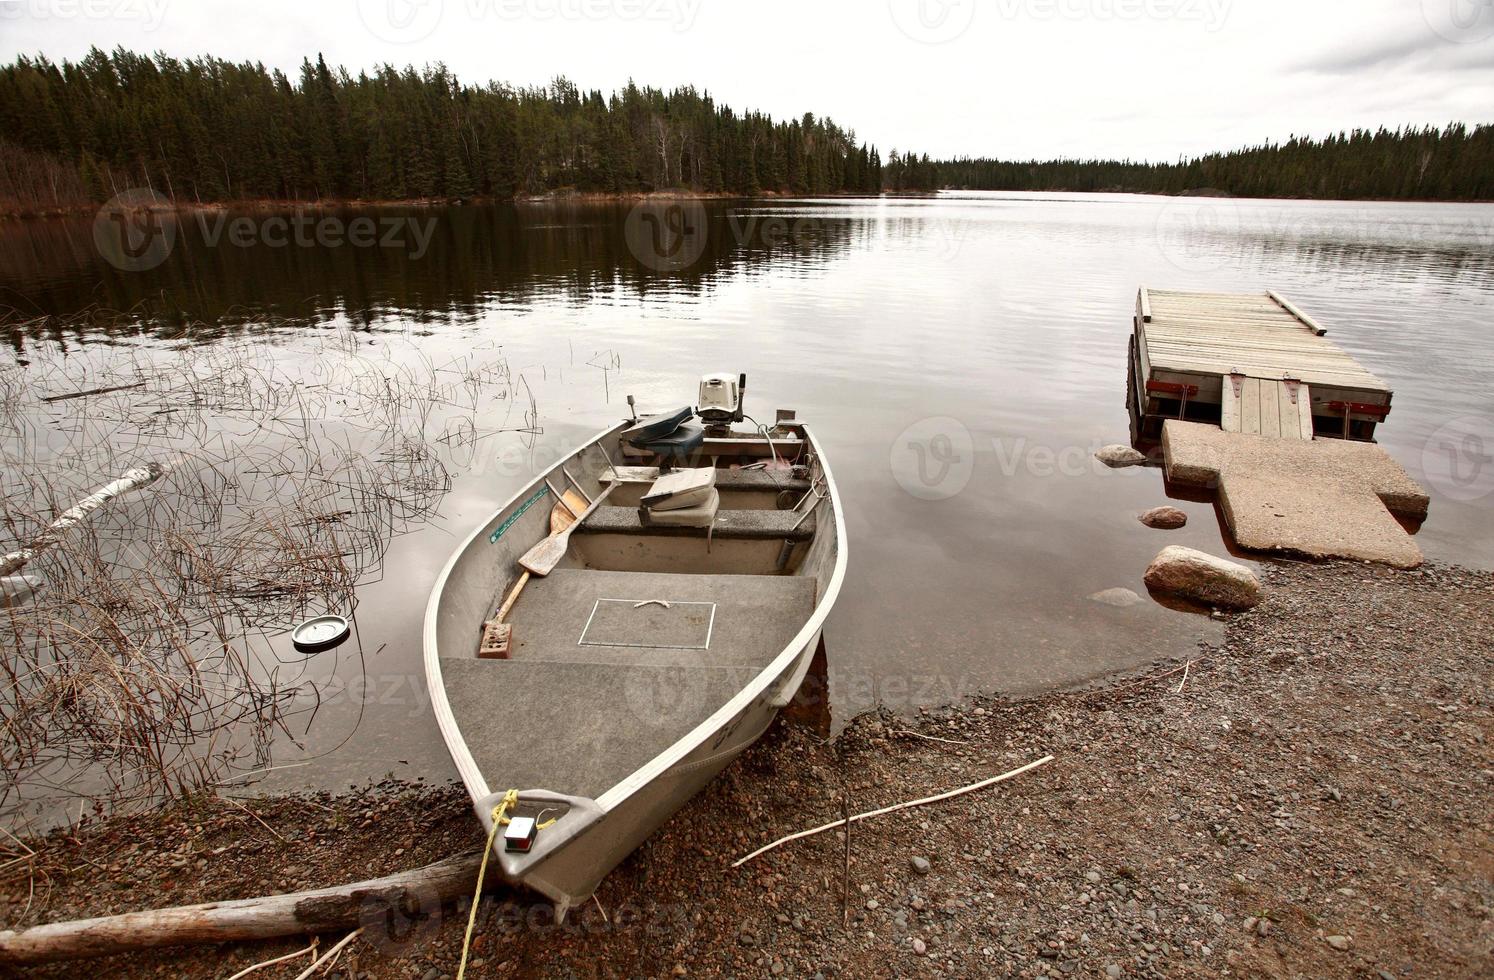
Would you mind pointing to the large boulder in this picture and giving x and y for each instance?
(1204, 579)
(1118, 456)
(1164, 518)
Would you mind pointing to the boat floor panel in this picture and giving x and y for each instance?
(577, 728)
(742, 620)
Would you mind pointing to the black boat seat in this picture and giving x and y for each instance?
(657, 426)
(680, 444)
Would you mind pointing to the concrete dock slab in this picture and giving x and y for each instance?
(1327, 498)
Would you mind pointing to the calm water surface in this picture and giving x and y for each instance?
(960, 357)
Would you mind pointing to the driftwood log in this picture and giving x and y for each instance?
(366, 903)
(132, 480)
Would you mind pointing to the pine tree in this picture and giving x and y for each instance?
(215, 130)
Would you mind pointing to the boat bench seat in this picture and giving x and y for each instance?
(744, 525)
(726, 479)
(759, 480)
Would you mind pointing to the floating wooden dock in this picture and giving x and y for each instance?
(1248, 362)
(1240, 390)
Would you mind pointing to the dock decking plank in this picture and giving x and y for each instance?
(1286, 418)
(1265, 407)
(1215, 333)
(1272, 394)
(1289, 425)
(1229, 407)
(1250, 405)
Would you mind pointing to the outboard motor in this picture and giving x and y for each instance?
(720, 402)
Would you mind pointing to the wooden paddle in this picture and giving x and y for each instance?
(498, 635)
(543, 557)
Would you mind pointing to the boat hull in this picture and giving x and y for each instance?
(596, 834)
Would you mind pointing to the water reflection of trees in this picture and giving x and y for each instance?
(476, 256)
(1440, 261)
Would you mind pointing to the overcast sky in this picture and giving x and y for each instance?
(1013, 78)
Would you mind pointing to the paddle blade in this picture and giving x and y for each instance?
(561, 517)
(543, 557)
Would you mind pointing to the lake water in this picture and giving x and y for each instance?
(960, 357)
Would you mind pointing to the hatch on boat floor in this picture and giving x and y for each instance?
(579, 615)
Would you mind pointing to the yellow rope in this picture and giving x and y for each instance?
(500, 819)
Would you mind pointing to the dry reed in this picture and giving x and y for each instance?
(152, 662)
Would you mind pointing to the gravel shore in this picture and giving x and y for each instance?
(1314, 798)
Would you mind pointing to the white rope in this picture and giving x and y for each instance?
(900, 806)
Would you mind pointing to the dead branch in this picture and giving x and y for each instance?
(92, 391)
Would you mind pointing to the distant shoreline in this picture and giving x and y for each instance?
(550, 197)
(615, 197)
